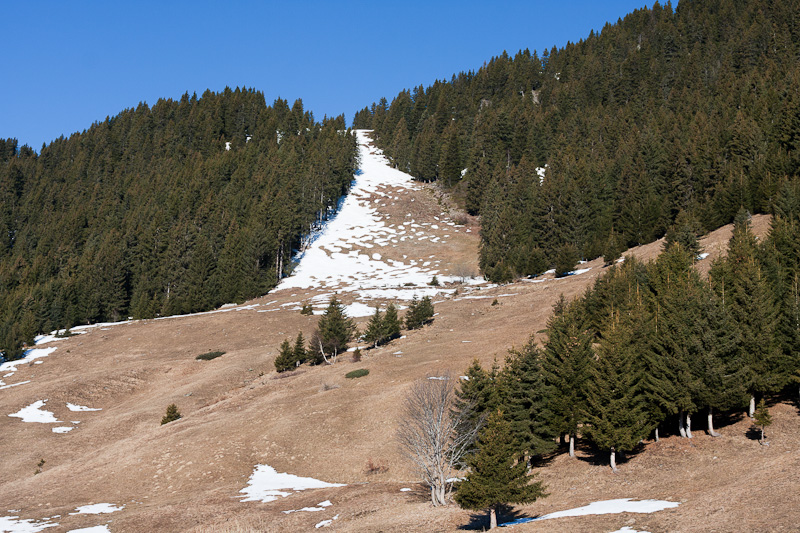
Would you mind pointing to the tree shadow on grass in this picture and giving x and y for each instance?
(599, 457)
(479, 521)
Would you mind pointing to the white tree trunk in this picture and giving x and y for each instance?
(681, 427)
(752, 410)
(656, 434)
(688, 425)
(614, 460)
(572, 445)
(492, 518)
(711, 423)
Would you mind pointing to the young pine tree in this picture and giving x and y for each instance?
(285, 359)
(374, 333)
(299, 353)
(172, 414)
(497, 475)
(391, 324)
(762, 418)
(334, 331)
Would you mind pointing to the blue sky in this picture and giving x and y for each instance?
(70, 63)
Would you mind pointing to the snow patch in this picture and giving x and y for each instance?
(93, 529)
(73, 407)
(34, 413)
(326, 523)
(98, 508)
(266, 484)
(13, 524)
(63, 429)
(622, 505)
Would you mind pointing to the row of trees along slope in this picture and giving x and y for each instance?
(173, 208)
(649, 345)
(693, 109)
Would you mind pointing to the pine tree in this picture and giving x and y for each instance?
(299, 354)
(391, 324)
(497, 475)
(565, 366)
(762, 418)
(419, 313)
(616, 407)
(334, 331)
(565, 260)
(172, 414)
(525, 398)
(375, 329)
(285, 359)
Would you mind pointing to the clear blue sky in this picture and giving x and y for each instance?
(70, 63)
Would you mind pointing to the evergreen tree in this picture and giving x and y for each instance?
(616, 407)
(334, 331)
(525, 399)
(497, 476)
(374, 332)
(285, 359)
(419, 313)
(391, 324)
(567, 359)
(172, 414)
(566, 258)
(762, 418)
(299, 351)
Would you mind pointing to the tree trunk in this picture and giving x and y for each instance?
(492, 518)
(571, 445)
(681, 427)
(752, 411)
(688, 425)
(656, 434)
(711, 423)
(614, 460)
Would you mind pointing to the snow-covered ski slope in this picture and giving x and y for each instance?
(343, 257)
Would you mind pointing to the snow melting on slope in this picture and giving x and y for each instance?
(7, 369)
(35, 413)
(13, 524)
(98, 508)
(623, 505)
(266, 485)
(335, 260)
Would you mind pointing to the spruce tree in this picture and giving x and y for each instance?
(616, 407)
(285, 359)
(334, 331)
(565, 366)
(299, 351)
(172, 414)
(419, 313)
(374, 332)
(497, 475)
(762, 418)
(391, 324)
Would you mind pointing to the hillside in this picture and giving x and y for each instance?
(238, 413)
(690, 109)
(170, 209)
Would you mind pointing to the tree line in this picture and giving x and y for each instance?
(174, 208)
(605, 142)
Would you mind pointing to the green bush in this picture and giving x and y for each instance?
(208, 356)
(361, 372)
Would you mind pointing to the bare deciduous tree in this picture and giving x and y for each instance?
(435, 435)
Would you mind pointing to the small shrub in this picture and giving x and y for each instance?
(357, 355)
(328, 386)
(495, 302)
(208, 356)
(434, 282)
(39, 466)
(66, 333)
(307, 310)
(361, 372)
(373, 467)
(172, 414)
(460, 219)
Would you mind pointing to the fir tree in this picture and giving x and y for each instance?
(497, 475)
(762, 418)
(616, 407)
(565, 366)
(299, 353)
(419, 313)
(374, 332)
(172, 414)
(285, 359)
(334, 331)
(391, 324)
